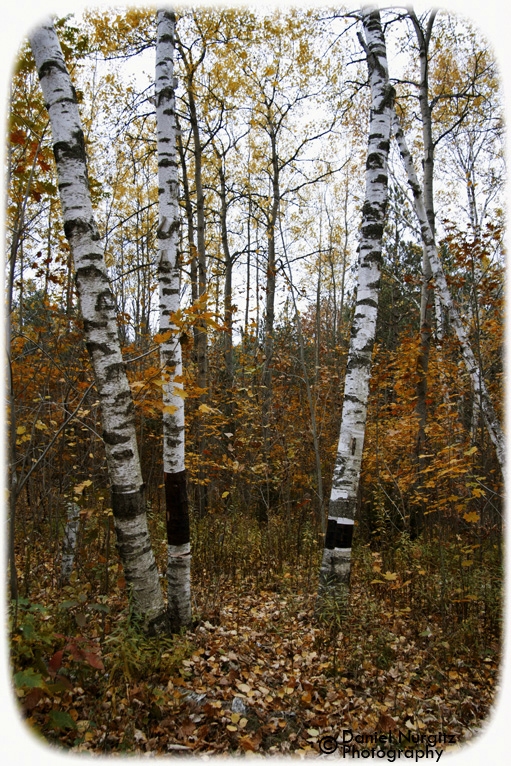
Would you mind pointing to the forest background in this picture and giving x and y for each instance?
(491, 25)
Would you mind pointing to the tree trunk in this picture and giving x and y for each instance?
(336, 564)
(201, 490)
(268, 494)
(479, 387)
(69, 542)
(427, 294)
(98, 309)
(317, 332)
(319, 505)
(190, 232)
(228, 306)
(247, 283)
(178, 526)
(271, 274)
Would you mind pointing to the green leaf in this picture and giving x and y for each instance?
(100, 608)
(69, 604)
(81, 619)
(61, 684)
(28, 630)
(60, 720)
(29, 679)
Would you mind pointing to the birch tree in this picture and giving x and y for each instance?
(178, 526)
(99, 319)
(336, 563)
(473, 368)
(69, 542)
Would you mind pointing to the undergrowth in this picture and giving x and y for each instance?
(428, 612)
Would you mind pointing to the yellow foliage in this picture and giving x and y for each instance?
(78, 490)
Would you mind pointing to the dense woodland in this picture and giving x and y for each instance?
(273, 112)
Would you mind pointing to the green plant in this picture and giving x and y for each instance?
(131, 656)
(32, 634)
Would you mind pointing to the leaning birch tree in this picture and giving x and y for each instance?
(97, 305)
(336, 563)
(473, 368)
(176, 501)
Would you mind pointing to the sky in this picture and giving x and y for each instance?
(493, 18)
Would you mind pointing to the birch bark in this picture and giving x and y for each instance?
(178, 526)
(336, 563)
(69, 542)
(99, 318)
(478, 385)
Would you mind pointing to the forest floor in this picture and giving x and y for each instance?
(259, 673)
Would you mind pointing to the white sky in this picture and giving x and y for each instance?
(493, 18)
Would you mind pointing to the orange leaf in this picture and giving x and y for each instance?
(251, 741)
(162, 337)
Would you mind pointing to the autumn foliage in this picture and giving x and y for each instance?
(262, 670)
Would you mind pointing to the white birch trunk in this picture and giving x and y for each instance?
(336, 564)
(99, 318)
(440, 318)
(178, 527)
(478, 385)
(69, 541)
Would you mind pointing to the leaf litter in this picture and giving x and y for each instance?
(263, 674)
